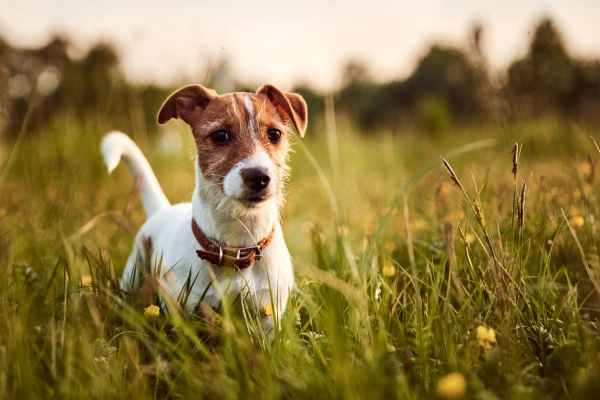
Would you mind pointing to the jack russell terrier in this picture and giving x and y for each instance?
(228, 240)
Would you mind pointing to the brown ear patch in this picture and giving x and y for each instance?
(186, 103)
(290, 106)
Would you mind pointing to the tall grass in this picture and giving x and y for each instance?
(399, 259)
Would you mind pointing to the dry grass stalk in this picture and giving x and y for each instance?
(495, 273)
(515, 153)
(449, 248)
(449, 242)
(592, 175)
(521, 211)
(463, 237)
(596, 144)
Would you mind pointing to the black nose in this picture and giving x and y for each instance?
(255, 178)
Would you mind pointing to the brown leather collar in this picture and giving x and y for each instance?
(224, 256)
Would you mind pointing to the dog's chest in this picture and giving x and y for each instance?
(188, 277)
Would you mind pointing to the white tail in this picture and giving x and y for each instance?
(117, 145)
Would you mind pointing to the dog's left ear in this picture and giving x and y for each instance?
(291, 106)
(186, 103)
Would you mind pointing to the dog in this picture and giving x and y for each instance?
(228, 240)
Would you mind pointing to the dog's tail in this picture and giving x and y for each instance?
(117, 145)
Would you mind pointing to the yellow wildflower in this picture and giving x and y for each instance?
(577, 222)
(151, 311)
(585, 169)
(452, 386)
(342, 230)
(391, 247)
(470, 238)
(419, 225)
(457, 215)
(552, 194)
(444, 189)
(389, 270)
(268, 310)
(486, 337)
(574, 211)
(86, 280)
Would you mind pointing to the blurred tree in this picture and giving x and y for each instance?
(51, 84)
(88, 82)
(445, 77)
(587, 103)
(433, 116)
(30, 75)
(482, 79)
(357, 89)
(449, 74)
(546, 78)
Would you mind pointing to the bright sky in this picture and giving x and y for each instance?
(285, 42)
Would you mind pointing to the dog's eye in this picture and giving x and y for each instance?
(220, 137)
(274, 135)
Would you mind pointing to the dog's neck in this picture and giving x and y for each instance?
(229, 223)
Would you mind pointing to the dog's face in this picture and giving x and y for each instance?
(242, 139)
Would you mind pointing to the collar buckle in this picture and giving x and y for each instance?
(258, 251)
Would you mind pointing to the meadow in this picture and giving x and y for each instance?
(415, 279)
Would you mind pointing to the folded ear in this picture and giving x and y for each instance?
(186, 103)
(291, 106)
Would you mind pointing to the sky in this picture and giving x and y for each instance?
(289, 42)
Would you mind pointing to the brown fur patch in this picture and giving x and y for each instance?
(229, 113)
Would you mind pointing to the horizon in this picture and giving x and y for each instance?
(157, 47)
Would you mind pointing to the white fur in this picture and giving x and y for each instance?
(221, 217)
(251, 123)
(117, 145)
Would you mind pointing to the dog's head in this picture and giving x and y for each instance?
(242, 139)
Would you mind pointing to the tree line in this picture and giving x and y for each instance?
(449, 85)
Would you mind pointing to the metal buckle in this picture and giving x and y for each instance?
(237, 258)
(258, 251)
(220, 256)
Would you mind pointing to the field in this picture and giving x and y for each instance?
(411, 282)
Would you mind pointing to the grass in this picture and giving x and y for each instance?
(397, 268)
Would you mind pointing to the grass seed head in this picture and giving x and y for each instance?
(521, 211)
(478, 212)
(451, 172)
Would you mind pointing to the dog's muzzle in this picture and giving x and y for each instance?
(255, 179)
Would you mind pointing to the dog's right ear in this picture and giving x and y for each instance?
(186, 103)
